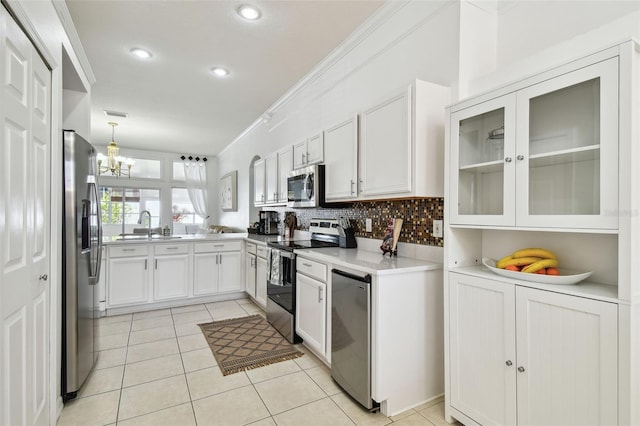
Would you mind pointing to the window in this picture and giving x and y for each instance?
(178, 171)
(121, 209)
(185, 219)
(146, 169)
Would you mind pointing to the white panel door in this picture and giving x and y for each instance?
(311, 312)
(205, 273)
(482, 349)
(171, 277)
(24, 229)
(271, 177)
(341, 160)
(315, 149)
(567, 359)
(250, 275)
(385, 147)
(261, 281)
(128, 281)
(285, 165)
(259, 182)
(230, 275)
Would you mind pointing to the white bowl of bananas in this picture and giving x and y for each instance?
(535, 265)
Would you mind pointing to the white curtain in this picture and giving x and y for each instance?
(195, 174)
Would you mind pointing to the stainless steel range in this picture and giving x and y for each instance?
(281, 282)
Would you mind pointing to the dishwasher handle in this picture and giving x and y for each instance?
(365, 279)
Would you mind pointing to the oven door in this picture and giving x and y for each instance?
(281, 285)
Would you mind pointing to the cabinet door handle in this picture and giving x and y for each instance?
(509, 363)
(520, 157)
(220, 257)
(145, 264)
(307, 157)
(508, 160)
(302, 158)
(43, 277)
(521, 369)
(319, 294)
(156, 264)
(352, 183)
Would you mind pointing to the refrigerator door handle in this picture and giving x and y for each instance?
(98, 264)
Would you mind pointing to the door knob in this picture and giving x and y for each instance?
(43, 277)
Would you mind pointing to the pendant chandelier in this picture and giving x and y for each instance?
(114, 161)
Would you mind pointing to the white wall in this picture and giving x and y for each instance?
(469, 45)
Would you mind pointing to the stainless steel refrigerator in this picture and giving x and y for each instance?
(82, 251)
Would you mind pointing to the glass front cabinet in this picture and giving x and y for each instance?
(542, 156)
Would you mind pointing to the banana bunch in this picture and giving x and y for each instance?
(530, 260)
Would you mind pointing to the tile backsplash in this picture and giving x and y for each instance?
(417, 214)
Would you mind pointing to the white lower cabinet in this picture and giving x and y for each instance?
(229, 272)
(311, 312)
(127, 276)
(171, 271)
(216, 268)
(250, 275)
(261, 280)
(519, 355)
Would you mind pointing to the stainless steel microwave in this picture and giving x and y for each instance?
(305, 187)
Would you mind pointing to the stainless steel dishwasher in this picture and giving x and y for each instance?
(351, 335)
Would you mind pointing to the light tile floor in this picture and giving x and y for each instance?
(155, 368)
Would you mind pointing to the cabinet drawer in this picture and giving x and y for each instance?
(312, 269)
(251, 248)
(128, 251)
(218, 246)
(171, 249)
(261, 251)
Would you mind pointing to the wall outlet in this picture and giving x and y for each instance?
(367, 225)
(437, 228)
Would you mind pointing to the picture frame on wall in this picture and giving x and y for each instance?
(229, 192)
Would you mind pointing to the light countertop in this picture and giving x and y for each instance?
(187, 238)
(368, 261)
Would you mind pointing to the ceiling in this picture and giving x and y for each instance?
(174, 102)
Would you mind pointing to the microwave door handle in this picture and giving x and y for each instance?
(308, 186)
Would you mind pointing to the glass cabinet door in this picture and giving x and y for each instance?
(482, 148)
(566, 154)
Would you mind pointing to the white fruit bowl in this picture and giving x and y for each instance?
(563, 279)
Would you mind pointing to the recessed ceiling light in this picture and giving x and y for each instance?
(140, 53)
(219, 72)
(249, 12)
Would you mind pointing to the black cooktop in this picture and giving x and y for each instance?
(300, 244)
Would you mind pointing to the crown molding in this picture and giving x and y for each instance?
(67, 23)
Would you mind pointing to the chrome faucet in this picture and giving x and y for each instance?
(140, 221)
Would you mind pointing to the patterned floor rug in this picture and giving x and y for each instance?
(244, 343)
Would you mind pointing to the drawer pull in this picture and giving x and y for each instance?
(308, 265)
(128, 249)
(172, 248)
(218, 245)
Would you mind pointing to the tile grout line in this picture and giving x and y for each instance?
(193, 409)
(124, 370)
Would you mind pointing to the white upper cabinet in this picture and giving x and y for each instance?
(385, 152)
(341, 160)
(271, 178)
(259, 182)
(543, 156)
(401, 147)
(285, 165)
(309, 151)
